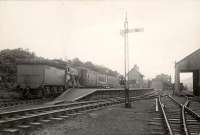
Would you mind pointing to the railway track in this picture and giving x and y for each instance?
(19, 122)
(175, 117)
(14, 121)
(16, 103)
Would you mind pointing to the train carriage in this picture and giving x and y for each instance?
(101, 80)
(41, 78)
(113, 81)
(88, 78)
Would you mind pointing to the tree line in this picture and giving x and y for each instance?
(9, 58)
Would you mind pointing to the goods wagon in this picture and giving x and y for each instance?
(34, 76)
(43, 79)
(40, 80)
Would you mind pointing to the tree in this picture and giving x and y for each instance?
(11, 55)
(8, 59)
(76, 62)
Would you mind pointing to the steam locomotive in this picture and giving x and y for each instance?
(40, 78)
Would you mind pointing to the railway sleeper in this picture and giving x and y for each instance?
(35, 123)
(175, 122)
(157, 133)
(196, 129)
(154, 123)
(45, 120)
(194, 133)
(64, 116)
(74, 114)
(193, 123)
(93, 108)
(90, 110)
(159, 128)
(23, 126)
(57, 118)
(10, 131)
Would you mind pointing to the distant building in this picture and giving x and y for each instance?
(135, 78)
(162, 81)
(146, 83)
(164, 77)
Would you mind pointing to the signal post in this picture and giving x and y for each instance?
(124, 33)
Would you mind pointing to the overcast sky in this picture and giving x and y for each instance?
(90, 30)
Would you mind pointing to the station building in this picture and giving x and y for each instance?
(135, 78)
(190, 63)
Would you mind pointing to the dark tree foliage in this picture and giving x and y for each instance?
(101, 69)
(11, 55)
(8, 58)
(59, 61)
(76, 62)
(90, 65)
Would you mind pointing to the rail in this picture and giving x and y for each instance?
(165, 116)
(183, 108)
(183, 117)
(51, 107)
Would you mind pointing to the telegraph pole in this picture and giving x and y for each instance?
(126, 62)
(124, 33)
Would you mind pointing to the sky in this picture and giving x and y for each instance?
(90, 30)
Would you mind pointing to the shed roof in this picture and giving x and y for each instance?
(189, 56)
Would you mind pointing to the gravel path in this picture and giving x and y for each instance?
(115, 120)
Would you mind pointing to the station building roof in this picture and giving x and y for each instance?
(136, 70)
